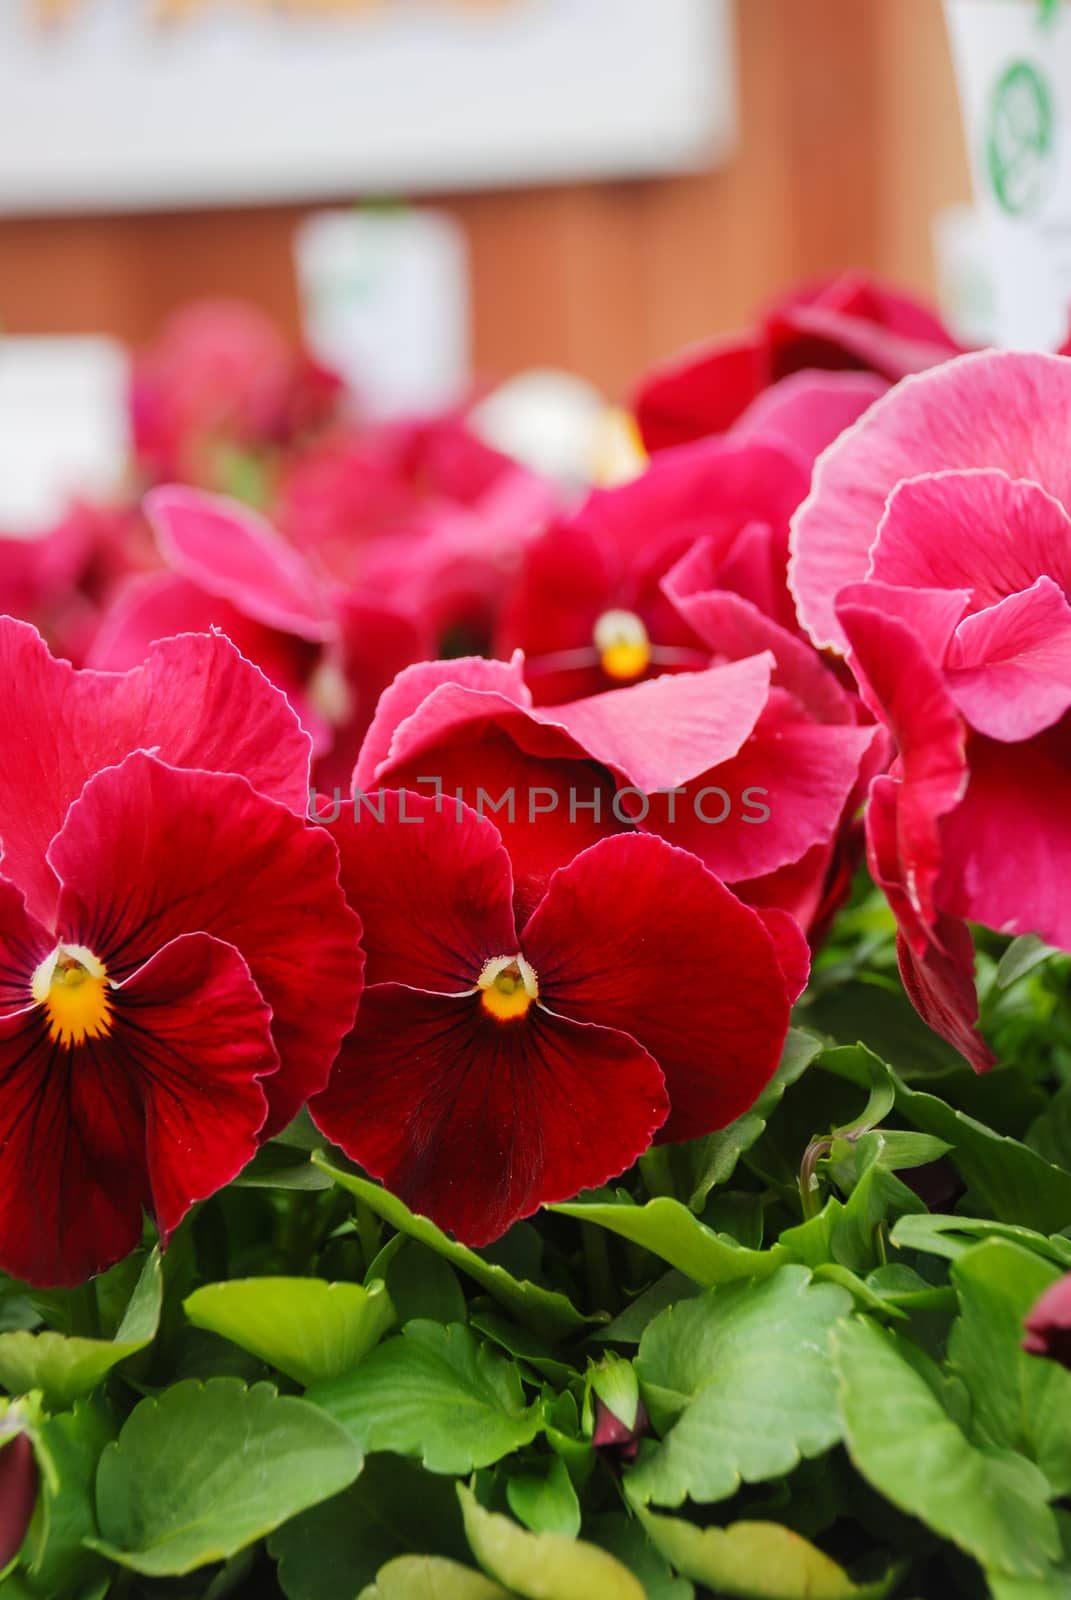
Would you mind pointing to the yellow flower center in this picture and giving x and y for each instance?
(73, 987)
(623, 645)
(507, 986)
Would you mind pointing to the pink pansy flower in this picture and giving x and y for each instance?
(937, 546)
(501, 1062)
(220, 376)
(331, 652)
(850, 322)
(716, 762)
(163, 924)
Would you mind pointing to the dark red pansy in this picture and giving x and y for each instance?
(493, 1070)
(186, 994)
(1048, 1327)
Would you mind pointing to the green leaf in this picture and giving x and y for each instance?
(421, 1284)
(305, 1327)
(436, 1393)
(394, 1509)
(1019, 1402)
(204, 1470)
(700, 1164)
(431, 1578)
(950, 1236)
(543, 1310)
(1021, 957)
(525, 1346)
(56, 1561)
(624, 1537)
(543, 1566)
(1006, 1176)
(627, 1327)
(742, 1375)
(281, 1166)
(64, 1368)
(545, 1502)
(669, 1230)
(757, 1561)
(903, 1441)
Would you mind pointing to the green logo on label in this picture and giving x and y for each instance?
(1019, 141)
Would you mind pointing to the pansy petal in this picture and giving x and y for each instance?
(669, 730)
(766, 807)
(24, 944)
(232, 551)
(150, 852)
(981, 531)
(904, 680)
(476, 1122)
(637, 935)
(193, 1030)
(72, 1178)
(1007, 847)
(940, 985)
(1009, 667)
(733, 627)
(701, 391)
(415, 685)
(998, 409)
(195, 701)
(808, 410)
(434, 885)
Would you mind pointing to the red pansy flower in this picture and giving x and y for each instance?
(849, 322)
(162, 927)
(500, 1063)
(589, 607)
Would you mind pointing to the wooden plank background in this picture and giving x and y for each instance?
(850, 141)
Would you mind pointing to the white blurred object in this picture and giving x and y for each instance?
(385, 302)
(966, 290)
(112, 107)
(550, 421)
(63, 426)
(1013, 63)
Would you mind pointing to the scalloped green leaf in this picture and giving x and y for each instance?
(65, 1367)
(435, 1393)
(757, 1561)
(543, 1566)
(431, 1578)
(669, 1230)
(545, 1311)
(545, 1502)
(902, 1440)
(56, 1561)
(951, 1236)
(205, 1469)
(740, 1382)
(305, 1327)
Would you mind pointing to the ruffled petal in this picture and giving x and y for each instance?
(150, 853)
(195, 701)
(639, 936)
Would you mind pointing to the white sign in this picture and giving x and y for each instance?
(1013, 61)
(109, 106)
(385, 302)
(63, 427)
